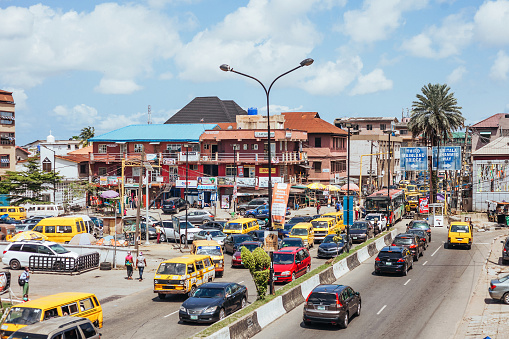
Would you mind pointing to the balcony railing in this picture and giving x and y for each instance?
(283, 157)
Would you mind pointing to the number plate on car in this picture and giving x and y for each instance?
(354, 237)
(193, 317)
(320, 308)
(388, 263)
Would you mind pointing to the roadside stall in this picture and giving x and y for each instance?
(498, 211)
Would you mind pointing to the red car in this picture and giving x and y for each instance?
(291, 263)
(250, 245)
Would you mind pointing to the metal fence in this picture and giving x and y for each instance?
(63, 264)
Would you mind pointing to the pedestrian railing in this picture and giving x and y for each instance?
(62, 264)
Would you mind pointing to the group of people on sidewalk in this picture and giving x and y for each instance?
(141, 263)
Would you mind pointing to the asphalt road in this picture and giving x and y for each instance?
(428, 303)
(143, 315)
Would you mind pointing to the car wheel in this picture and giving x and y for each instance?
(243, 303)
(183, 239)
(15, 265)
(162, 238)
(161, 296)
(193, 288)
(221, 314)
(405, 271)
(358, 313)
(422, 253)
(307, 323)
(416, 258)
(250, 216)
(344, 323)
(469, 247)
(505, 298)
(308, 269)
(293, 276)
(59, 266)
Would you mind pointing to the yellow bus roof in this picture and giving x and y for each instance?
(55, 299)
(460, 223)
(303, 225)
(186, 259)
(240, 220)
(333, 213)
(59, 220)
(322, 219)
(205, 243)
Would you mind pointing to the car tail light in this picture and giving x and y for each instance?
(308, 297)
(338, 303)
(173, 206)
(505, 249)
(401, 260)
(449, 239)
(393, 244)
(493, 286)
(413, 246)
(377, 259)
(4, 252)
(423, 239)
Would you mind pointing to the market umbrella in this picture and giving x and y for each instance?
(316, 186)
(350, 187)
(83, 239)
(332, 188)
(109, 194)
(28, 235)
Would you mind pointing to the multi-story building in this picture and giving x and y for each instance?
(489, 129)
(325, 147)
(369, 125)
(7, 133)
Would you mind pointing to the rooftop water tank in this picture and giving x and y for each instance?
(252, 111)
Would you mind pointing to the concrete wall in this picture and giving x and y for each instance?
(490, 182)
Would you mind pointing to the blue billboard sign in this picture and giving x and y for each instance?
(449, 159)
(414, 158)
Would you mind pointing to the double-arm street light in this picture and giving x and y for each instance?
(348, 125)
(389, 158)
(226, 68)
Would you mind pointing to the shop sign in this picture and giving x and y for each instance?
(207, 183)
(190, 184)
(265, 170)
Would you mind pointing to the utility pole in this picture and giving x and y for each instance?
(370, 168)
(138, 205)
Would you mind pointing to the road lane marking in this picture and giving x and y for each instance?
(381, 309)
(407, 282)
(481, 243)
(435, 251)
(424, 263)
(170, 314)
(240, 282)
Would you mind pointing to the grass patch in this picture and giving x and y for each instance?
(258, 303)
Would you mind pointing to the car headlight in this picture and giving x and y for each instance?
(210, 309)
(182, 282)
(156, 282)
(286, 273)
(220, 261)
(183, 309)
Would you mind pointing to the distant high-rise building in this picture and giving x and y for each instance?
(7, 133)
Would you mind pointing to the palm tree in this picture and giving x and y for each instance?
(435, 115)
(86, 133)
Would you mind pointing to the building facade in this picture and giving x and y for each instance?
(489, 129)
(7, 133)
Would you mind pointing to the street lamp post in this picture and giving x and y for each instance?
(348, 125)
(186, 146)
(226, 68)
(235, 178)
(389, 221)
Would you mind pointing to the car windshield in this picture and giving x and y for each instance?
(20, 228)
(250, 247)
(288, 227)
(421, 225)
(402, 241)
(183, 225)
(240, 239)
(23, 316)
(317, 297)
(209, 250)
(296, 220)
(233, 226)
(389, 255)
(359, 226)
(459, 228)
(330, 239)
(204, 292)
(217, 234)
(291, 242)
(320, 224)
(504, 278)
(418, 232)
(27, 335)
(299, 231)
(172, 268)
(59, 249)
(372, 217)
(283, 258)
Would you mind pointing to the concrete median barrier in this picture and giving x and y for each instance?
(340, 268)
(246, 327)
(327, 276)
(292, 298)
(270, 311)
(362, 254)
(352, 261)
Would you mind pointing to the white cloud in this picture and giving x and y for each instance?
(78, 115)
(263, 38)
(441, 42)
(114, 86)
(118, 41)
(456, 75)
(371, 83)
(333, 77)
(492, 22)
(377, 19)
(500, 67)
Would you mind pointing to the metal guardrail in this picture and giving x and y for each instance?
(63, 264)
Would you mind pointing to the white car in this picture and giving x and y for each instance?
(17, 254)
(382, 220)
(169, 233)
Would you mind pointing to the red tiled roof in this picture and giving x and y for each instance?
(226, 125)
(249, 134)
(22, 149)
(310, 122)
(489, 122)
(6, 96)
(84, 150)
(74, 157)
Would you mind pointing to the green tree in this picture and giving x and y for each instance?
(28, 185)
(435, 115)
(258, 263)
(85, 134)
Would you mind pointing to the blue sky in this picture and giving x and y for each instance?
(72, 64)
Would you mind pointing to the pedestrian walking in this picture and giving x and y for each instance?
(340, 205)
(318, 208)
(141, 263)
(158, 232)
(357, 209)
(25, 298)
(208, 236)
(25, 276)
(129, 265)
(297, 205)
(337, 206)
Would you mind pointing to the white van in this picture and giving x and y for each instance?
(39, 210)
(89, 224)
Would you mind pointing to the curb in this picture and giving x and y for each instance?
(256, 321)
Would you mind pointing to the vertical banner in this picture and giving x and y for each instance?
(225, 201)
(348, 215)
(280, 196)
(423, 205)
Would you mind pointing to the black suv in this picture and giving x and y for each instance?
(394, 259)
(421, 234)
(332, 304)
(242, 208)
(410, 241)
(174, 205)
(420, 224)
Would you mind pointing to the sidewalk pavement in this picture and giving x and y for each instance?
(485, 316)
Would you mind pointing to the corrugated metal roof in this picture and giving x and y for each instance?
(498, 146)
(156, 133)
(207, 110)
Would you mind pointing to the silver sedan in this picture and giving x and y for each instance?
(216, 236)
(499, 289)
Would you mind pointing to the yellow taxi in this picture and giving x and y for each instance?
(460, 234)
(14, 212)
(338, 219)
(61, 229)
(305, 231)
(323, 227)
(241, 226)
(212, 248)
